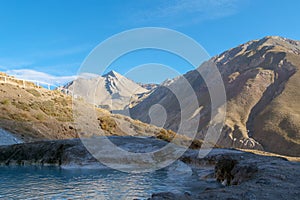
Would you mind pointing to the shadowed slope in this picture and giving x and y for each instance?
(261, 78)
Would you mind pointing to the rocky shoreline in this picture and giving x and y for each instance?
(251, 176)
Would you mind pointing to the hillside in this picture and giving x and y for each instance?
(34, 113)
(261, 79)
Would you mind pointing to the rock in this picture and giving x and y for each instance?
(72, 152)
(223, 170)
(40, 153)
(264, 181)
(242, 173)
(161, 196)
(229, 172)
(170, 196)
(249, 196)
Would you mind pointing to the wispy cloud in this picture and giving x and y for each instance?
(187, 12)
(34, 75)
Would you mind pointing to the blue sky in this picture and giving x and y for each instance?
(49, 39)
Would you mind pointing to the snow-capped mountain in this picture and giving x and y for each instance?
(111, 91)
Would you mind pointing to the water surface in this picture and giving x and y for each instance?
(57, 183)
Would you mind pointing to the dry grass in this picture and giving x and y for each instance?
(108, 124)
(5, 102)
(34, 92)
(264, 153)
(171, 136)
(44, 114)
(21, 105)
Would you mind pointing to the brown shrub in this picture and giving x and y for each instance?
(34, 92)
(39, 117)
(107, 124)
(21, 116)
(21, 105)
(61, 101)
(48, 108)
(5, 102)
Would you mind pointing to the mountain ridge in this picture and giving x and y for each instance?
(255, 74)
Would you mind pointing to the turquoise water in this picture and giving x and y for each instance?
(56, 183)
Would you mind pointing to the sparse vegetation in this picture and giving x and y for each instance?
(169, 136)
(34, 92)
(5, 102)
(21, 116)
(107, 124)
(63, 101)
(66, 115)
(39, 117)
(166, 135)
(35, 113)
(62, 112)
(21, 105)
(48, 108)
(35, 105)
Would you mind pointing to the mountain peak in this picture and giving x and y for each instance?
(274, 37)
(277, 41)
(264, 45)
(113, 74)
(111, 91)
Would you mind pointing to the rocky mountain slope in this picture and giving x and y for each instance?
(111, 91)
(261, 80)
